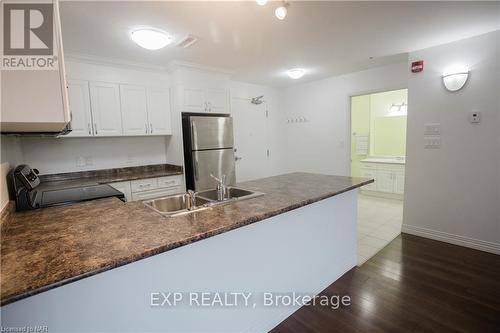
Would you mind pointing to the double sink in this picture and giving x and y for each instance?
(184, 204)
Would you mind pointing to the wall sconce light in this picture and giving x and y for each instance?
(455, 77)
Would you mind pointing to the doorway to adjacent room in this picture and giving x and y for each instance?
(378, 151)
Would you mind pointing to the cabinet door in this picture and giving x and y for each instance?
(399, 182)
(216, 100)
(194, 100)
(79, 105)
(369, 173)
(134, 110)
(105, 102)
(123, 187)
(385, 181)
(159, 114)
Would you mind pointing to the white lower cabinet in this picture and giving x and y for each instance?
(389, 178)
(399, 186)
(123, 187)
(161, 192)
(149, 188)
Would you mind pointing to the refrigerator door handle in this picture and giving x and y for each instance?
(196, 169)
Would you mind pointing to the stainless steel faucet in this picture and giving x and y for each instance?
(221, 187)
(192, 199)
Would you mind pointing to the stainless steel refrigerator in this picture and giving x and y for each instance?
(208, 149)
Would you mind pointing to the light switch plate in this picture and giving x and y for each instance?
(432, 129)
(432, 141)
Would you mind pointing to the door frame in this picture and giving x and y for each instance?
(349, 116)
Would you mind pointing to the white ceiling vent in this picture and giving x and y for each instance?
(188, 41)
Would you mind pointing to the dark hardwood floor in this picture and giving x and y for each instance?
(412, 285)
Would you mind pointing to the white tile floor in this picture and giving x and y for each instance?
(379, 222)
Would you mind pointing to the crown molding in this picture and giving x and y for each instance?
(177, 64)
(115, 62)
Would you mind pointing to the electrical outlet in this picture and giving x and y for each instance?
(89, 161)
(80, 161)
(474, 117)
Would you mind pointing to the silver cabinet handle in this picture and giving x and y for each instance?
(151, 128)
(146, 128)
(95, 128)
(90, 130)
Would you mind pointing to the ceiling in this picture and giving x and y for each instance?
(326, 38)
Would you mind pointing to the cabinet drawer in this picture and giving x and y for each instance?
(141, 185)
(169, 181)
(157, 193)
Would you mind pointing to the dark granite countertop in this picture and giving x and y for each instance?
(108, 175)
(46, 248)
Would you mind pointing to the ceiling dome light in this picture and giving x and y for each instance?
(295, 73)
(455, 77)
(151, 39)
(280, 12)
(261, 2)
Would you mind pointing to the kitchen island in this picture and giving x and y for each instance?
(95, 265)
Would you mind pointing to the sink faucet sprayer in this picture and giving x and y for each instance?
(221, 187)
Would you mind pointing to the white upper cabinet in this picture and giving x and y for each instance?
(134, 110)
(79, 105)
(111, 109)
(217, 100)
(105, 102)
(194, 100)
(160, 122)
(36, 100)
(205, 100)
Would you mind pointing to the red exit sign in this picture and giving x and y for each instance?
(417, 66)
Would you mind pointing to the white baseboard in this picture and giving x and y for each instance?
(452, 239)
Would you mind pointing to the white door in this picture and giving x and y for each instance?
(106, 114)
(216, 100)
(159, 115)
(250, 139)
(385, 181)
(194, 100)
(399, 182)
(79, 105)
(134, 110)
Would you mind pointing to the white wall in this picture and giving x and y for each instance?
(56, 155)
(322, 143)
(11, 151)
(452, 193)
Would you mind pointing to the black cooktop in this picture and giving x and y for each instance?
(77, 194)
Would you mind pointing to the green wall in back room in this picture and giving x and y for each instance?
(389, 137)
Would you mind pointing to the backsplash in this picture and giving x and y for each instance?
(58, 155)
